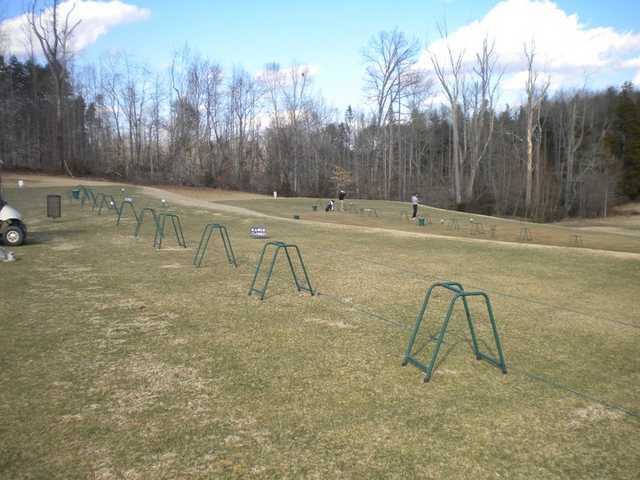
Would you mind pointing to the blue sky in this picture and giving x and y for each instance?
(330, 35)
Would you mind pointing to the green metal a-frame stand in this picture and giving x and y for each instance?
(477, 228)
(98, 198)
(90, 195)
(107, 200)
(86, 194)
(452, 224)
(140, 220)
(177, 229)
(458, 292)
(525, 235)
(204, 244)
(277, 247)
(121, 210)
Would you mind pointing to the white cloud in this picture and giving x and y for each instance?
(632, 63)
(567, 50)
(515, 81)
(636, 79)
(96, 19)
(285, 72)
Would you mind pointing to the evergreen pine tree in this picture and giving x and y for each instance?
(627, 147)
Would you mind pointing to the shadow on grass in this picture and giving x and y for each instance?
(40, 238)
(275, 294)
(447, 349)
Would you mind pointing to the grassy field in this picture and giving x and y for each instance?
(121, 361)
(622, 234)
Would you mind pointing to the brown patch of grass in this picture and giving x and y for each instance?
(593, 413)
(329, 323)
(135, 383)
(66, 247)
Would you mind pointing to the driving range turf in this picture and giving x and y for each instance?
(121, 361)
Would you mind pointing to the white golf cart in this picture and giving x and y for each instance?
(13, 232)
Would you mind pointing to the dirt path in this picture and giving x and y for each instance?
(196, 193)
(616, 230)
(207, 198)
(9, 181)
(181, 199)
(188, 201)
(624, 220)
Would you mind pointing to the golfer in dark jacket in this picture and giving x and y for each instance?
(414, 205)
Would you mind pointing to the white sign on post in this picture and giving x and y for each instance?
(20, 183)
(258, 231)
(275, 195)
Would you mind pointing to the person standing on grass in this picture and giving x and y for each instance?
(341, 196)
(414, 205)
(331, 206)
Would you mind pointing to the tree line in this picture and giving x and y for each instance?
(566, 154)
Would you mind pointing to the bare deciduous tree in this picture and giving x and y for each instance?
(571, 131)
(213, 117)
(111, 85)
(390, 58)
(272, 85)
(451, 77)
(54, 34)
(536, 90)
(480, 125)
(389, 78)
(243, 95)
(295, 94)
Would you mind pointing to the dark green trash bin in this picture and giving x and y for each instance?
(421, 222)
(54, 206)
(75, 194)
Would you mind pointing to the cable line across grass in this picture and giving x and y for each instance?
(539, 378)
(503, 294)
